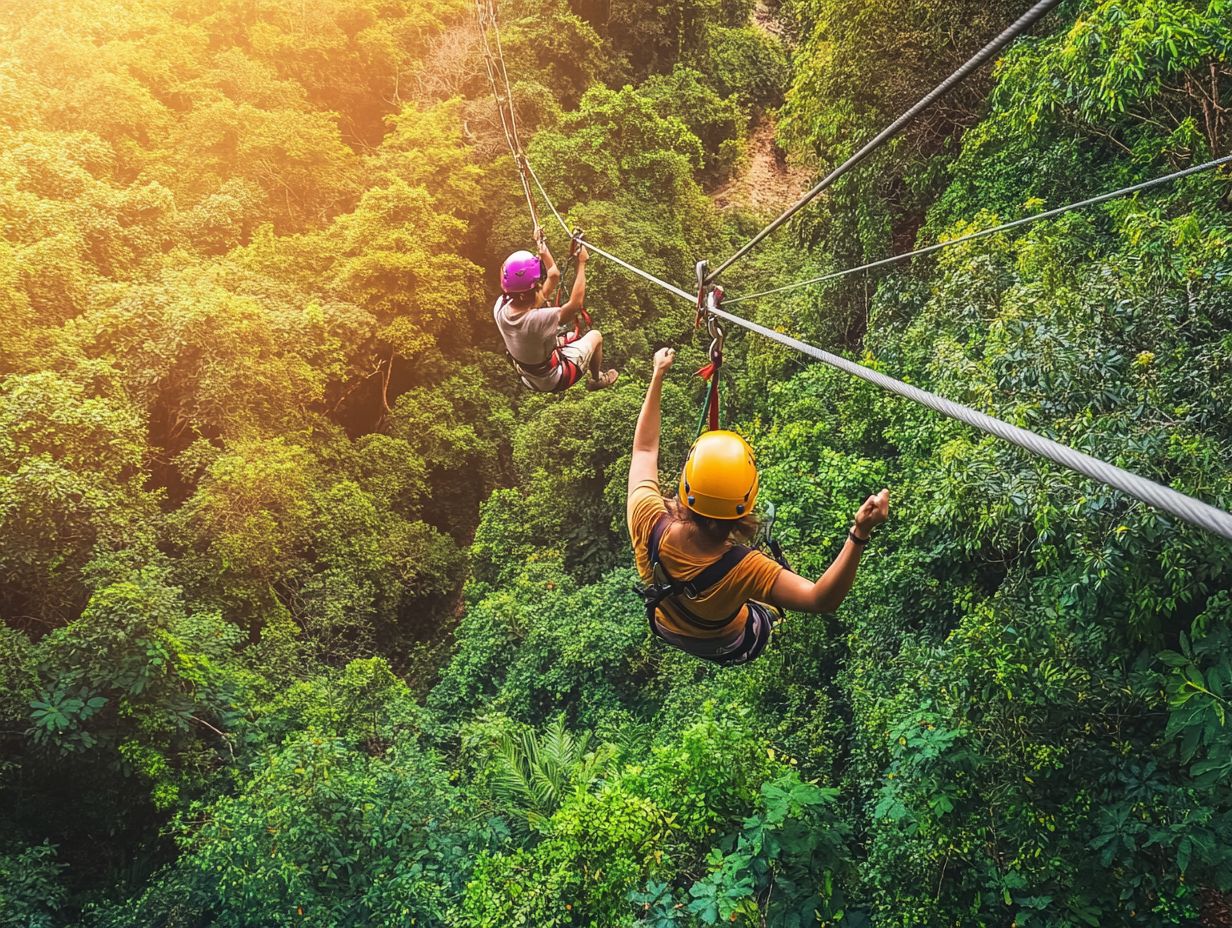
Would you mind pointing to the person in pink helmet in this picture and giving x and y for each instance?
(530, 329)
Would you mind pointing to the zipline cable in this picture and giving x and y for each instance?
(1024, 22)
(500, 58)
(632, 269)
(1191, 510)
(486, 12)
(486, 17)
(1184, 507)
(984, 233)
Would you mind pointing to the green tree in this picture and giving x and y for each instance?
(327, 835)
(72, 493)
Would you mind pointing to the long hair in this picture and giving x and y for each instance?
(715, 531)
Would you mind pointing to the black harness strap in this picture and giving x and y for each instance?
(541, 368)
(675, 590)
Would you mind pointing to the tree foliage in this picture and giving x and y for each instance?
(312, 616)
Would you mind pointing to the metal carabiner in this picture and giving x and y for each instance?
(703, 293)
(575, 242)
(717, 339)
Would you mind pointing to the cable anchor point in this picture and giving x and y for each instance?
(718, 338)
(703, 293)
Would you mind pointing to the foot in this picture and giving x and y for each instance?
(606, 380)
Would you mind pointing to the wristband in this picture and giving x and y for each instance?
(851, 533)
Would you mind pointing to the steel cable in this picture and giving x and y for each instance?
(1020, 26)
(1184, 507)
(984, 233)
(1191, 510)
(633, 269)
(486, 11)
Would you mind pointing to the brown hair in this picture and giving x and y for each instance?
(715, 531)
(525, 300)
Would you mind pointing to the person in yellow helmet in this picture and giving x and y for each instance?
(707, 593)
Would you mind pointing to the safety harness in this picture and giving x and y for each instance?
(570, 373)
(664, 587)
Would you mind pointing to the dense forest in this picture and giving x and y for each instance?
(310, 615)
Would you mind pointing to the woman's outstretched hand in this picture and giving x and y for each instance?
(876, 509)
(663, 359)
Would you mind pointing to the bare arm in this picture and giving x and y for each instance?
(791, 591)
(645, 462)
(577, 296)
(551, 271)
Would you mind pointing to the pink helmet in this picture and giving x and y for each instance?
(521, 271)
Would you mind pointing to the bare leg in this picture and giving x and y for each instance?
(592, 346)
(596, 359)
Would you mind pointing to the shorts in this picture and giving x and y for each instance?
(758, 628)
(574, 361)
(581, 352)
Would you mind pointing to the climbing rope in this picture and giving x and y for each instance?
(984, 233)
(1024, 23)
(494, 64)
(619, 262)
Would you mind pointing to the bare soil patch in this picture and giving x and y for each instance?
(767, 182)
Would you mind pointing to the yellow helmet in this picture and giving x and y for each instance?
(719, 479)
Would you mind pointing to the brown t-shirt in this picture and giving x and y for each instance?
(752, 578)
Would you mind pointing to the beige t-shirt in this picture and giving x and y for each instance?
(530, 337)
(752, 578)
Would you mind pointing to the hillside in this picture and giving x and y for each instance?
(311, 615)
